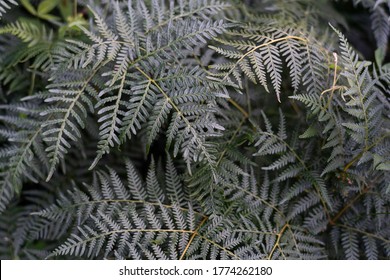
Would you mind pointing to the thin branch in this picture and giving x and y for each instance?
(192, 237)
(277, 244)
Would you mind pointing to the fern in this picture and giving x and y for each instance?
(258, 52)
(6, 5)
(379, 20)
(28, 31)
(145, 130)
(130, 223)
(115, 62)
(28, 160)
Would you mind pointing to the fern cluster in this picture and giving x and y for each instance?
(191, 129)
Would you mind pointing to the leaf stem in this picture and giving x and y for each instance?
(192, 238)
(277, 243)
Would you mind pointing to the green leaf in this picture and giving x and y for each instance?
(310, 132)
(48, 17)
(380, 54)
(28, 6)
(66, 9)
(46, 6)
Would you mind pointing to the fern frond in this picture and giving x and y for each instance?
(115, 221)
(139, 73)
(6, 5)
(74, 95)
(135, 83)
(24, 157)
(379, 15)
(259, 55)
(30, 32)
(271, 143)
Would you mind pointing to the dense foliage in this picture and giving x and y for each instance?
(192, 129)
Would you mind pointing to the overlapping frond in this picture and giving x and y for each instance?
(31, 32)
(136, 220)
(379, 15)
(74, 95)
(288, 161)
(164, 100)
(259, 53)
(24, 157)
(141, 81)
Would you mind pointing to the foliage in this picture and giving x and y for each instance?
(5, 5)
(145, 129)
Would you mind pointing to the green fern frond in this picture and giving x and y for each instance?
(28, 31)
